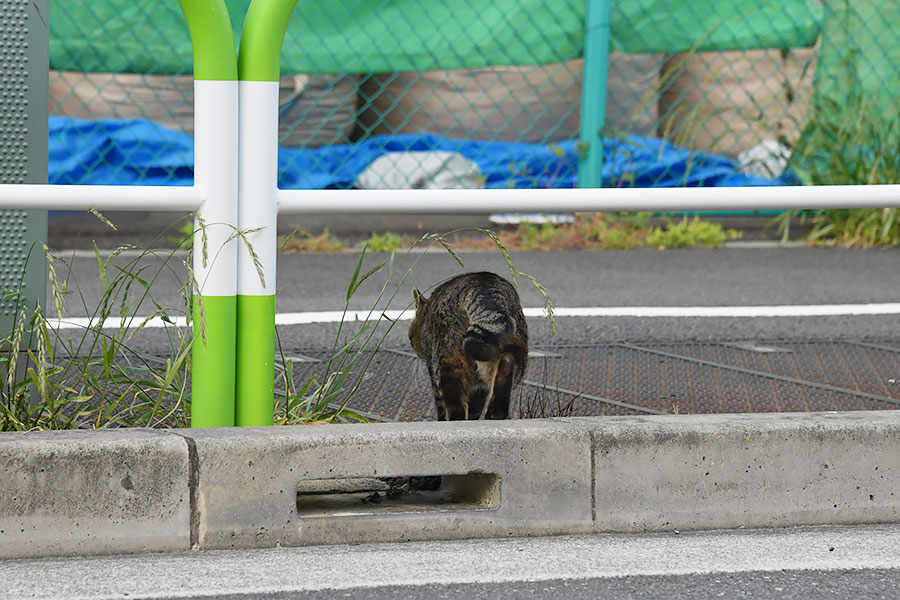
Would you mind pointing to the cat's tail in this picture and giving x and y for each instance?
(489, 326)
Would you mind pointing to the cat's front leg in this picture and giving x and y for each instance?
(439, 407)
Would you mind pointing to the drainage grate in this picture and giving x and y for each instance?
(395, 388)
(627, 379)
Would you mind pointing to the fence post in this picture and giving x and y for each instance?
(23, 155)
(259, 61)
(593, 93)
(215, 247)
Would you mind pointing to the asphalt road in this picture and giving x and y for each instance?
(730, 277)
(815, 563)
(856, 562)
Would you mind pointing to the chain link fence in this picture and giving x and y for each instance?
(441, 93)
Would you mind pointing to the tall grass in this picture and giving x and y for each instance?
(97, 375)
(326, 397)
(852, 143)
(57, 378)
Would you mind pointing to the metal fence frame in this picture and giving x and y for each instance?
(235, 190)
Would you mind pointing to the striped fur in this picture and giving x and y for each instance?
(474, 339)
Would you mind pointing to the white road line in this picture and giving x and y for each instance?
(783, 310)
(644, 312)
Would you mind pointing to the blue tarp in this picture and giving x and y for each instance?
(137, 152)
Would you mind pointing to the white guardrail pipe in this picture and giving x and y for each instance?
(99, 197)
(184, 198)
(475, 201)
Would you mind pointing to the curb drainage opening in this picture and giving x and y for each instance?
(360, 496)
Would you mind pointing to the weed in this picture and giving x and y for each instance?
(300, 240)
(618, 231)
(690, 233)
(183, 236)
(534, 236)
(542, 401)
(324, 398)
(387, 242)
(53, 379)
(860, 227)
(851, 143)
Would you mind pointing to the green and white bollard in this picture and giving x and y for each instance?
(259, 69)
(215, 242)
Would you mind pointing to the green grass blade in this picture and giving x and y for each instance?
(352, 287)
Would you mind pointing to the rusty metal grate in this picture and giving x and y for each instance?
(625, 379)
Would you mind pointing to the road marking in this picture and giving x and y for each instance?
(643, 312)
(783, 310)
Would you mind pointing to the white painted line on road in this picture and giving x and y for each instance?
(782, 310)
(644, 312)
(115, 323)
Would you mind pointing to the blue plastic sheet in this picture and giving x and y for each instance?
(136, 152)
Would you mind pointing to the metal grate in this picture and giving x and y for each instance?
(625, 379)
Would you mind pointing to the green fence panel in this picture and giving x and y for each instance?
(409, 35)
(733, 79)
(711, 25)
(853, 135)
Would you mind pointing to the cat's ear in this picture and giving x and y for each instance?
(418, 298)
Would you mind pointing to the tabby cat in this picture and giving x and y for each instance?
(473, 337)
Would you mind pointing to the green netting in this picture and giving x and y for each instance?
(411, 35)
(326, 37)
(861, 54)
(854, 132)
(707, 25)
(760, 82)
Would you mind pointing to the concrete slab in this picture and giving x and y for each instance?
(517, 478)
(93, 492)
(663, 473)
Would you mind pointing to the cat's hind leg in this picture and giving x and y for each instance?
(478, 397)
(503, 382)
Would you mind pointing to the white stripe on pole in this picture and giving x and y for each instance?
(483, 201)
(99, 197)
(257, 208)
(215, 174)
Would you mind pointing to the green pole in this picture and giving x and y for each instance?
(214, 303)
(212, 39)
(262, 36)
(259, 72)
(593, 93)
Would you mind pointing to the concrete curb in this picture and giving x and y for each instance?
(128, 491)
(763, 470)
(69, 493)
